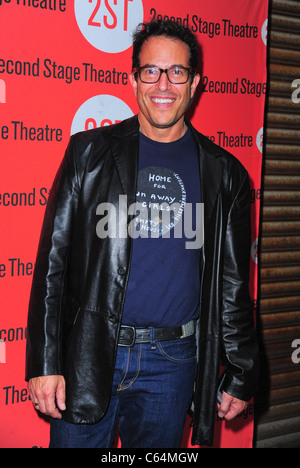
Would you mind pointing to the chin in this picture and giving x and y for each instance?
(164, 122)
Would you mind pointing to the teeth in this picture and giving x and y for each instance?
(163, 101)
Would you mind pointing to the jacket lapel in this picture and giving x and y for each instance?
(211, 173)
(125, 150)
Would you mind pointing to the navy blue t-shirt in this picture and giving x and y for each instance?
(163, 287)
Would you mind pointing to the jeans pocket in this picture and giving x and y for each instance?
(180, 351)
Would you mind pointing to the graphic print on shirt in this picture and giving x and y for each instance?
(161, 198)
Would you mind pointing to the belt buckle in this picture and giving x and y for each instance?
(133, 337)
(188, 329)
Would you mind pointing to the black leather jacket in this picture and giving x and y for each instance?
(80, 280)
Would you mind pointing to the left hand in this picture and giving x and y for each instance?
(230, 407)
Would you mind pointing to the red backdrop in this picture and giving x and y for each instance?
(64, 67)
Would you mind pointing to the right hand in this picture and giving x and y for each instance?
(48, 394)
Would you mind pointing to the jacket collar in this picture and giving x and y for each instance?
(125, 149)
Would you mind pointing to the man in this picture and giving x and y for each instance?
(130, 312)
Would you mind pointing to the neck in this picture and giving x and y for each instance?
(163, 134)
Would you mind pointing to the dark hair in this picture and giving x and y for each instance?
(168, 28)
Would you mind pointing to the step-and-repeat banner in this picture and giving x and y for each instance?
(64, 68)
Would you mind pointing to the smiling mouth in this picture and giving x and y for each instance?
(162, 100)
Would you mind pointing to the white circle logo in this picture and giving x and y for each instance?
(108, 24)
(264, 32)
(161, 199)
(260, 139)
(100, 111)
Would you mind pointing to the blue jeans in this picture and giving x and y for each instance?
(152, 390)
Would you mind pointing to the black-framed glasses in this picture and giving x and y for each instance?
(151, 74)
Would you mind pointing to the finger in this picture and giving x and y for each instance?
(236, 408)
(225, 405)
(31, 393)
(36, 397)
(44, 401)
(231, 414)
(50, 406)
(61, 396)
(33, 399)
(39, 404)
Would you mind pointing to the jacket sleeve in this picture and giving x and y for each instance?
(238, 330)
(43, 353)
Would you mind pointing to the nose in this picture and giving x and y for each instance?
(163, 84)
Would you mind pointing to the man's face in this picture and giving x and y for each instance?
(162, 105)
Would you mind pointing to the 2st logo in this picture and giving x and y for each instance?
(108, 24)
(114, 17)
(100, 111)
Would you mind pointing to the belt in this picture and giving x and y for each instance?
(129, 336)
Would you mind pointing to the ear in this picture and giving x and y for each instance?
(195, 84)
(133, 81)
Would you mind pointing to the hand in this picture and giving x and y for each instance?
(230, 407)
(48, 394)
